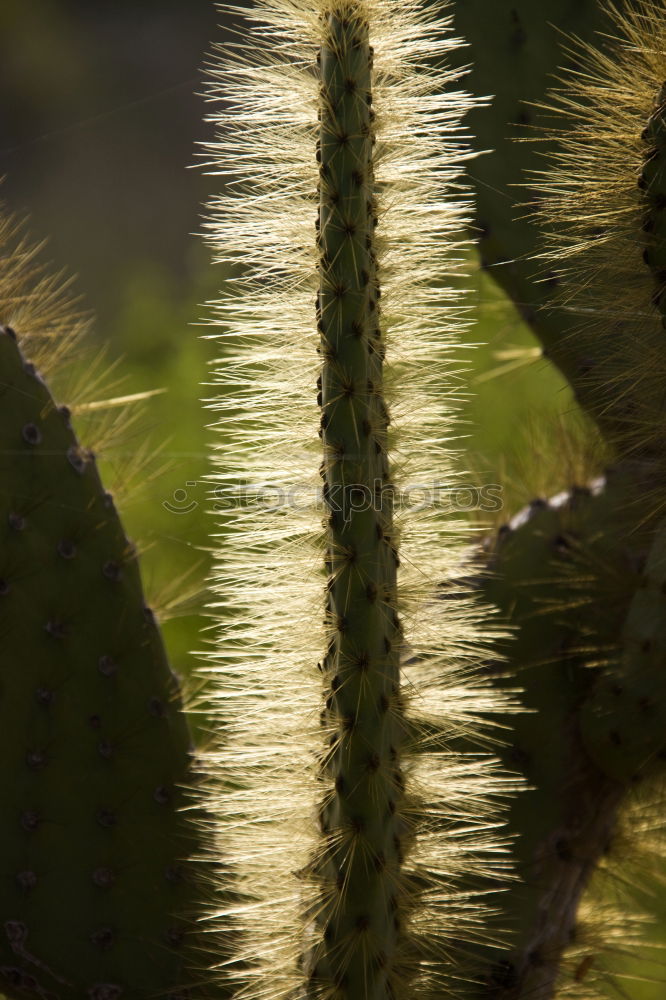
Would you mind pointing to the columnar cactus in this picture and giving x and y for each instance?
(364, 819)
(350, 189)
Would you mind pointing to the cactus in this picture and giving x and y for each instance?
(600, 204)
(374, 900)
(626, 113)
(559, 572)
(621, 724)
(356, 804)
(98, 900)
(520, 49)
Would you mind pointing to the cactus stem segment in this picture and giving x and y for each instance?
(350, 837)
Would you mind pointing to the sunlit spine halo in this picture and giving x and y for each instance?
(346, 827)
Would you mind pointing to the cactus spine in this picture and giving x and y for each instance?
(358, 124)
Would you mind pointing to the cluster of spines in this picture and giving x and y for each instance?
(376, 136)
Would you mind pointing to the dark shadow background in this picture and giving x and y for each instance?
(99, 122)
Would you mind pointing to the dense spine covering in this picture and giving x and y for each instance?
(347, 141)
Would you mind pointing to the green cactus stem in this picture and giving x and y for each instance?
(364, 818)
(563, 572)
(348, 183)
(99, 900)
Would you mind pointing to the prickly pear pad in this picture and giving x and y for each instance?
(94, 897)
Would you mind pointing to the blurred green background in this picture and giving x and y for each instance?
(101, 114)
